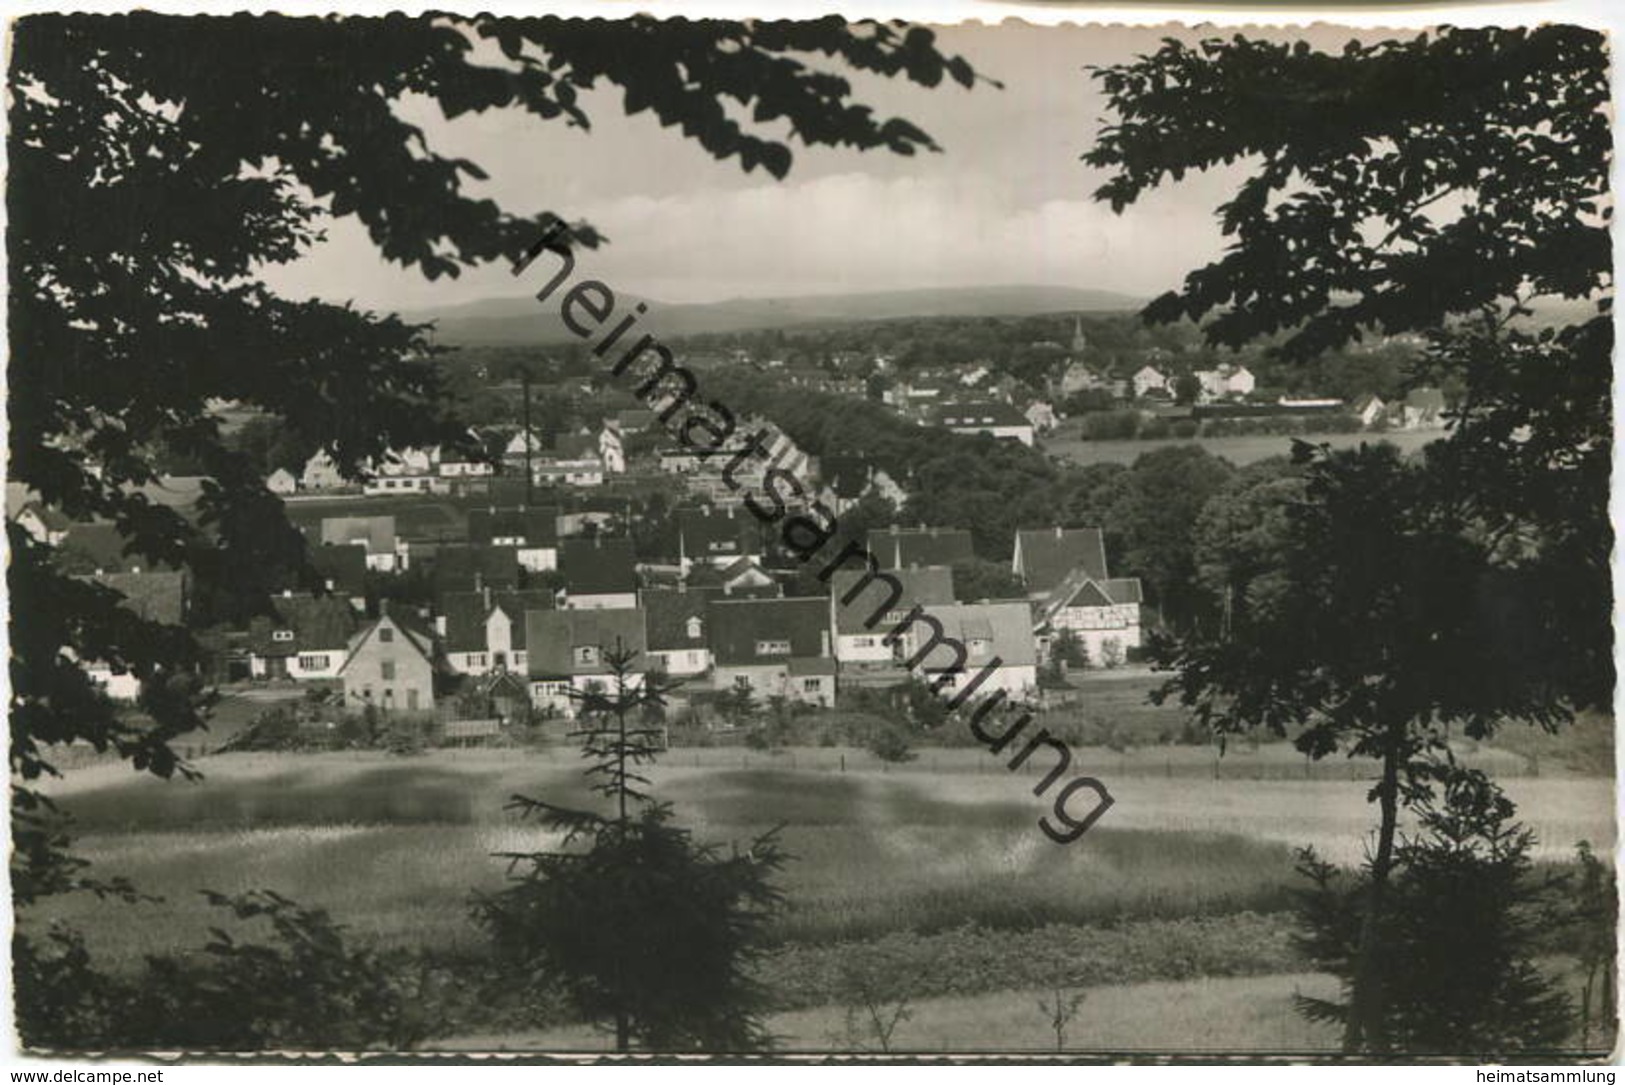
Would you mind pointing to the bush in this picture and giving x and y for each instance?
(304, 990)
(890, 743)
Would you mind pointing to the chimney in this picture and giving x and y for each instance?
(1058, 533)
(823, 643)
(440, 624)
(486, 594)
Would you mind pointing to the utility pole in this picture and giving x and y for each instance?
(524, 378)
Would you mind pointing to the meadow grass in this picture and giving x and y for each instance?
(395, 847)
(1244, 1015)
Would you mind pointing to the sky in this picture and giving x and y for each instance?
(1007, 202)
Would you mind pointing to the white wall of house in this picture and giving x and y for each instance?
(1095, 625)
(765, 679)
(120, 687)
(554, 694)
(538, 559)
(322, 663)
(609, 601)
(864, 647)
(683, 662)
(1024, 434)
(1018, 683)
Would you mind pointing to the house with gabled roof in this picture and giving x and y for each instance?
(985, 416)
(343, 570)
(864, 608)
(532, 531)
(1148, 379)
(1001, 653)
(1044, 557)
(484, 631)
(158, 596)
(778, 647)
(568, 649)
(1423, 408)
(1065, 572)
(519, 443)
(321, 472)
(390, 667)
(599, 573)
(282, 482)
(95, 546)
(44, 523)
(901, 548)
(717, 537)
(745, 578)
(305, 637)
(678, 631)
(374, 534)
(466, 567)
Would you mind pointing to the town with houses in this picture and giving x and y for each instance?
(481, 589)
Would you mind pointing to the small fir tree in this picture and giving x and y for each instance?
(1456, 975)
(647, 930)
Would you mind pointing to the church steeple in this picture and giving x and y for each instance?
(1079, 343)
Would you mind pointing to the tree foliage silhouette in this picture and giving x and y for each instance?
(646, 929)
(157, 162)
(1437, 185)
(1462, 920)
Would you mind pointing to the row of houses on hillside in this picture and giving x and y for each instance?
(551, 645)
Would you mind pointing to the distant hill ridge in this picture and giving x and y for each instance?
(521, 320)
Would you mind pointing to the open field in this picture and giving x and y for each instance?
(394, 846)
(1251, 1014)
(1238, 450)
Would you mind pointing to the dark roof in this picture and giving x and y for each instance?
(552, 634)
(98, 546)
(931, 586)
(156, 596)
(635, 419)
(667, 613)
(1007, 627)
(343, 567)
(1425, 399)
(708, 533)
(459, 567)
(466, 613)
(319, 622)
(737, 625)
(378, 532)
(1124, 591)
(979, 413)
(597, 565)
(537, 525)
(575, 446)
(1048, 555)
(899, 548)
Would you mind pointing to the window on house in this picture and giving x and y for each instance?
(412, 699)
(772, 647)
(694, 628)
(812, 685)
(313, 663)
(979, 648)
(476, 659)
(863, 642)
(385, 635)
(587, 655)
(282, 635)
(386, 670)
